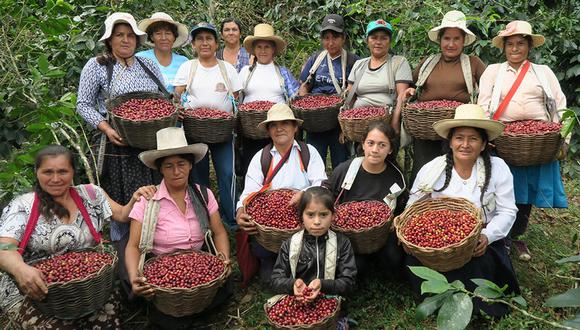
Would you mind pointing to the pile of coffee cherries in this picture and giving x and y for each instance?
(436, 104)
(73, 266)
(257, 106)
(363, 113)
(144, 109)
(531, 127)
(439, 228)
(186, 270)
(273, 209)
(316, 101)
(361, 215)
(206, 113)
(291, 312)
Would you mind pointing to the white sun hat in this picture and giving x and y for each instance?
(453, 19)
(120, 17)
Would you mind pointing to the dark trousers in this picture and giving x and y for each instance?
(249, 147)
(120, 245)
(424, 151)
(389, 260)
(323, 141)
(267, 261)
(522, 220)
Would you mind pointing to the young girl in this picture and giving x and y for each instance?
(315, 257)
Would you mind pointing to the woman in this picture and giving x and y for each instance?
(467, 170)
(378, 79)
(233, 52)
(298, 165)
(538, 97)
(186, 215)
(163, 34)
(211, 83)
(325, 72)
(374, 176)
(60, 226)
(117, 71)
(264, 80)
(441, 77)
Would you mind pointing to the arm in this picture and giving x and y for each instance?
(316, 170)
(121, 212)
(559, 96)
(345, 277)
(220, 235)
(290, 82)
(28, 278)
(281, 280)
(305, 72)
(87, 94)
(132, 255)
(486, 83)
(396, 119)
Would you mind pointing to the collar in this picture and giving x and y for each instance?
(509, 67)
(310, 238)
(163, 193)
(295, 145)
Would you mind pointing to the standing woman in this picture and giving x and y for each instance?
(164, 34)
(378, 79)
(115, 72)
(264, 80)
(233, 52)
(325, 72)
(211, 83)
(442, 77)
(539, 97)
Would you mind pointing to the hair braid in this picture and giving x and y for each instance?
(487, 164)
(448, 169)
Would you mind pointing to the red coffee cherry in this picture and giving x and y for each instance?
(439, 228)
(73, 265)
(186, 270)
(144, 109)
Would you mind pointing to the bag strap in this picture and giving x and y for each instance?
(30, 224)
(358, 76)
(426, 69)
(281, 82)
(251, 71)
(393, 66)
(148, 230)
(343, 59)
(224, 72)
(512, 91)
(548, 96)
(154, 78)
(191, 75)
(321, 56)
(467, 76)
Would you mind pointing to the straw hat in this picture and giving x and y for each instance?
(264, 32)
(515, 28)
(120, 17)
(279, 112)
(171, 141)
(182, 30)
(453, 19)
(469, 115)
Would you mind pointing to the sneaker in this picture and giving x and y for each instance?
(521, 250)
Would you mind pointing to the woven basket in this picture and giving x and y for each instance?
(317, 120)
(139, 134)
(272, 238)
(527, 150)
(180, 302)
(419, 122)
(81, 297)
(448, 258)
(208, 130)
(328, 323)
(249, 121)
(355, 129)
(368, 240)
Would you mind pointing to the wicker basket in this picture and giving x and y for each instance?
(180, 302)
(328, 323)
(317, 120)
(368, 240)
(139, 134)
(272, 238)
(448, 258)
(249, 121)
(81, 297)
(208, 130)
(355, 129)
(419, 122)
(527, 150)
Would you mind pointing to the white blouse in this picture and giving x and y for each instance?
(497, 221)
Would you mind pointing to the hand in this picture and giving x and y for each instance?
(245, 222)
(114, 137)
(563, 152)
(299, 286)
(341, 138)
(481, 246)
(146, 191)
(142, 289)
(407, 94)
(295, 200)
(180, 114)
(303, 90)
(314, 286)
(31, 282)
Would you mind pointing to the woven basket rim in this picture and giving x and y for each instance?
(525, 135)
(232, 117)
(333, 106)
(387, 222)
(410, 213)
(304, 326)
(142, 121)
(222, 276)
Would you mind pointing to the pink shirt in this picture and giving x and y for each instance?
(175, 230)
(528, 101)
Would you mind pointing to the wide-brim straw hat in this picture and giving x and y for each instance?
(517, 28)
(121, 17)
(279, 112)
(469, 115)
(264, 32)
(171, 141)
(453, 19)
(182, 30)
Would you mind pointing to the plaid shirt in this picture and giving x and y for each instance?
(242, 61)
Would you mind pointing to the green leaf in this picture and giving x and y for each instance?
(434, 286)
(488, 284)
(520, 301)
(487, 292)
(427, 273)
(430, 305)
(570, 298)
(455, 313)
(43, 65)
(55, 73)
(458, 285)
(575, 258)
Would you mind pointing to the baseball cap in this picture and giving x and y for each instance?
(379, 24)
(203, 26)
(333, 22)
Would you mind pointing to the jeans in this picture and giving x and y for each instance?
(223, 162)
(323, 141)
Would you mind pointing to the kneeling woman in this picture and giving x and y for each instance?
(468, 171)
(374, 176)
(185, 215)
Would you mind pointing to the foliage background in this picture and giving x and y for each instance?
(44, 45)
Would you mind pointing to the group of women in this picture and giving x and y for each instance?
(461, 165)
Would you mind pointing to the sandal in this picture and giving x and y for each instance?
(521, 250)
